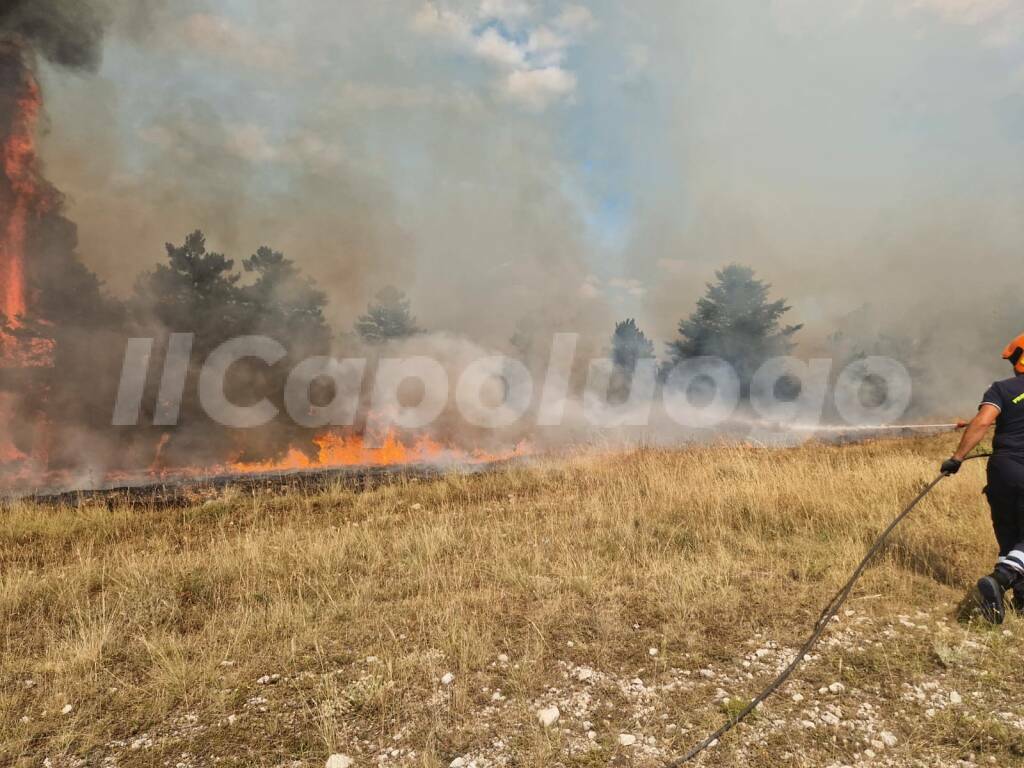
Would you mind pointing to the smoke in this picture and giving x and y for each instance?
(62, 329)
(554, 169)
(358, 164)
(67, 32)
(855, 166)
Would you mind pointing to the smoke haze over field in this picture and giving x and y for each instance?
(567, 163)
(521, 167)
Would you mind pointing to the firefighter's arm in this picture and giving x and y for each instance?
(976, 430)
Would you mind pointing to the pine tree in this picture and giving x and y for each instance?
(284, 303)
(629, 344)
(387, 317)
(736, 322)
(201, 292)
(195, 291)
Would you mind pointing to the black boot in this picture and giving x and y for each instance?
(991, 590)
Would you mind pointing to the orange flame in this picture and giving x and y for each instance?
(9, 453)
(335, 450)
(19, 166)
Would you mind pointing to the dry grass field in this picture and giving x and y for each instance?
(644, 594)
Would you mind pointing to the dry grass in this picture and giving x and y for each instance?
(156, 625)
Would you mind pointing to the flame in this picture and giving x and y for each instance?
(24, 473)
(25, 196)
(19, 166)
(338, 450)
(9, 453)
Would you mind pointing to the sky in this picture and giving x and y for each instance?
(558, 166)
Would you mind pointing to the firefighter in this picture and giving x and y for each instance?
(1003, 406)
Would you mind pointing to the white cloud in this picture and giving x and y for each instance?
(537, 78)
(539, 88)
(493, 46)
(546, 46)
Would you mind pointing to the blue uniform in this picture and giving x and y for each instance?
(1005, 489)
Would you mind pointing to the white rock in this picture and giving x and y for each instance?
(955, 698)
(652, 652)
(458, 762)
(584, 673)
(503, 658)
(231, 719)
(340, 761)
(707, 674)
(66, 709)
(836, 688)
(888, 738)
(798, 697)
(549, 716)
(448, 678)
(416, 507)
(626, 740)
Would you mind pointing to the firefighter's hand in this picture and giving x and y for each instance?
(951, 466)
(961, 424)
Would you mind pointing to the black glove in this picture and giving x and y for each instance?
(951, 466)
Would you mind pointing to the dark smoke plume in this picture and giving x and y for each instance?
(66, 32)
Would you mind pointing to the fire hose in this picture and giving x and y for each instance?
(820, 625)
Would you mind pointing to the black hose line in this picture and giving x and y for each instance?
(822, 623)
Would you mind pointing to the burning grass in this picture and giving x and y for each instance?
(347, 458)
(631, 591)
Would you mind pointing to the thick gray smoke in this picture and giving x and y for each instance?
(521, 168)
(66, 32)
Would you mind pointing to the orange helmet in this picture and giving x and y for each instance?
(1014, 352)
